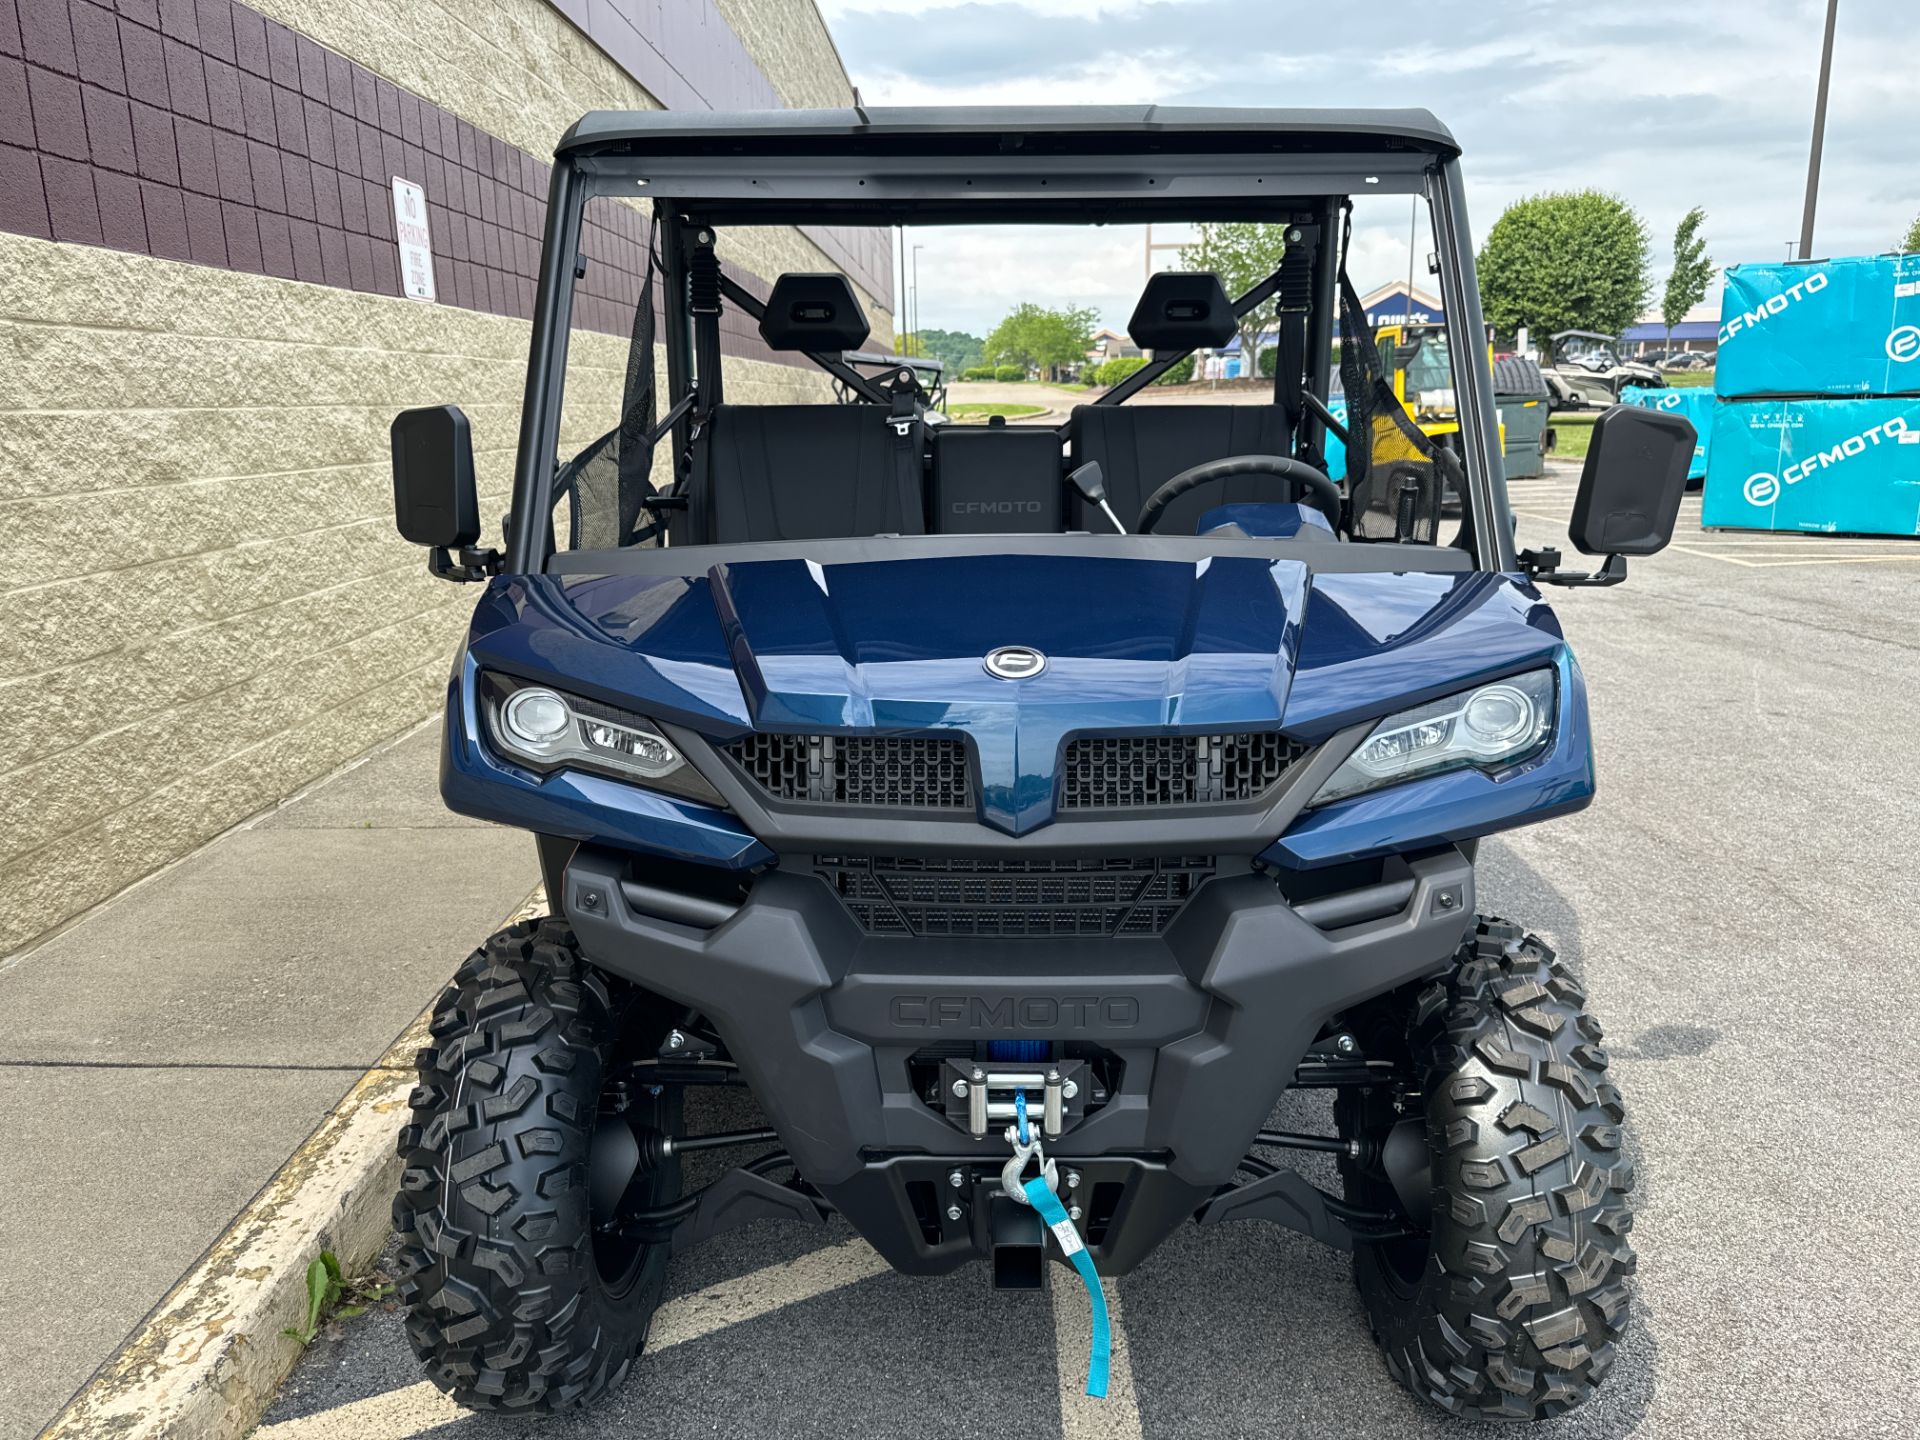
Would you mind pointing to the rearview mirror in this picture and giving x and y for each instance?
(434, 499)
(1630, 488)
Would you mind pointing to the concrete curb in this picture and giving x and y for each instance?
(207, 1361)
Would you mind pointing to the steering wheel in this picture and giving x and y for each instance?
(1321, 493)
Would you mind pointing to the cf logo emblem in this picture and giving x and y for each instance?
(1015, 662)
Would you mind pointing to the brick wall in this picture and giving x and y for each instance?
(203, 605)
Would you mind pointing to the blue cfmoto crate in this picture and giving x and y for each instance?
(1336, 447)
(1695, 402)
(1850, 466)
(1849, 326)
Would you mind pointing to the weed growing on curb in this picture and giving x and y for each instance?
(327, 1289)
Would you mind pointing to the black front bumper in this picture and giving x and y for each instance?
(1208, 1020)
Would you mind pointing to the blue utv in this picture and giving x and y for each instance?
(1015, 811)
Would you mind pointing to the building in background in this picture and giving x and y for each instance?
(1110, 345)
(1388, 306)
(211, 217)
(1699, 331)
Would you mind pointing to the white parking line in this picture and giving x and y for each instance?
(1778, 551)
(414, 1409)
(1826, 560)
(1118, 1416)
(732, 1302)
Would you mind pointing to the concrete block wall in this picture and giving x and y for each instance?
(203, 605)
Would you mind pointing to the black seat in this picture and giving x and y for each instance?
(802, 472)
(1140, 448)
(808, 472)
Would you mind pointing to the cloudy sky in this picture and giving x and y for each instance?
(1668, 103)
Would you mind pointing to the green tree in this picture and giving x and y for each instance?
(1043, 339)
(1242, 254)
(1912, 243)
(955, 349)
(1566, 262)
(1692, 271)
(1180, 374)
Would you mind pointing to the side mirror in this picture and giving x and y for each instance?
(1092, 485)
(435, 500)
(1630, 488)
(1629, 496)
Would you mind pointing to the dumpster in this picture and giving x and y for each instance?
(1520, 395)
(1696, 403)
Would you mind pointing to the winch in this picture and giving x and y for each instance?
(978, 1093)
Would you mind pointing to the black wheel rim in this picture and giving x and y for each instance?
(1369, 1115)
(621, 1252)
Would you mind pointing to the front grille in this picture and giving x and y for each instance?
(1014, 899)
(881, 771)
(1121, 772)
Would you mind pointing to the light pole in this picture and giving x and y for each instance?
(1413, 243)
(916, 293)
(1819, 134)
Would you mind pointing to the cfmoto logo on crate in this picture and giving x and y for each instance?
(1773, 305)
(1903, 343)
(1764, 489)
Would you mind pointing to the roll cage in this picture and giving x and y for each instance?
(1088, 165)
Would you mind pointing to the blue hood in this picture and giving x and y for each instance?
(1132, 645)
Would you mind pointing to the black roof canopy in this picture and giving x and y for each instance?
(882, 165)
(1138, 129)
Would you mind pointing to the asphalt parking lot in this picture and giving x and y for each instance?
(1741, 901)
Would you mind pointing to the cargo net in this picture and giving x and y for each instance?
(605, 501)
(1395, 474)
(605, 488)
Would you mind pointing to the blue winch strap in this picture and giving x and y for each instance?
(1055, 1214)
(1020, 1112)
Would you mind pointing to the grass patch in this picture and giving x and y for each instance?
(964, 413)
(1572, 433)
(1687, 379)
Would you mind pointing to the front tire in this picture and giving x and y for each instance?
(1513, 1305)
(521, 1300)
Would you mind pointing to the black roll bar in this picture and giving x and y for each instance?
(529, 533)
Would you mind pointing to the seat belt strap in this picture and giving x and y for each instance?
(904, 419)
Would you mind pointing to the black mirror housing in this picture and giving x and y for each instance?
(435, 501)
(1630, 488)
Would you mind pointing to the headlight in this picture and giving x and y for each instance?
(547, 730)
(1489, 727)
